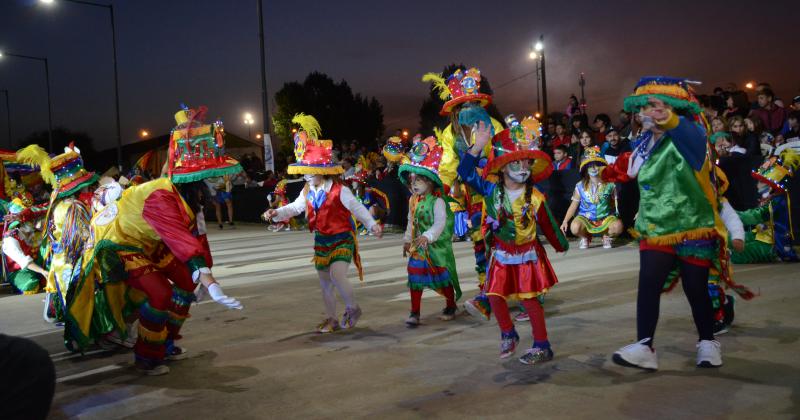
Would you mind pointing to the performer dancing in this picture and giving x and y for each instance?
(596, 201)
(23, 265)
(428, 237)
(518, 267)
(372, 198)
(678, 221)
(329, 207)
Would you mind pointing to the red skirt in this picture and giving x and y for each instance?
(520, 280)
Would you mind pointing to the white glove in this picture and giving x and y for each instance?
(219, 296)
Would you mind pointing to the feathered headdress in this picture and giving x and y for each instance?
(35, 155)
(312, 155)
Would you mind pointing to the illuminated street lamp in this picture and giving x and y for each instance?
(144, 134)
(749, 85)
(248, 120)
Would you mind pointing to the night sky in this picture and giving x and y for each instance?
(206, 52)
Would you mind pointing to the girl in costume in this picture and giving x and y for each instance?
(679, 221)
(595, 202)
(428, 237)
(23, 265)
(329, 207)
(518, 265)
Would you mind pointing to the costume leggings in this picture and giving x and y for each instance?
(336, 277)
(162, 314)
(655, 267)
(532, 306)
(416, 298)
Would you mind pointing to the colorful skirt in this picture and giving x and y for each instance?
(596, 227)
(519, 271)
(331, 248)
(422, 274)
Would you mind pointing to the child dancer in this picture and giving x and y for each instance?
(518, 266)
(595, 202)
(329, 207)
(428, 237)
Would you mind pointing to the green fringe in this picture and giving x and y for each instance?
(78, 187)
(634, 102)
(208, 173)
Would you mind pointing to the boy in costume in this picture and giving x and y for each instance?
(23, 265)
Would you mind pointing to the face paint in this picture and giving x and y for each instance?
(517, 172)
(355, 186)
(593, 171)
(647, 122)
(419, 186)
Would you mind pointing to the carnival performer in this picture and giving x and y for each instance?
(23, 262)
(518, 267)
(769, 234)
(595, 202)
(458, 205)
(678, 222)
(465, 105)
(329, 207)
(428, 237)
(276, 200)
(372, 198)
(66, 228)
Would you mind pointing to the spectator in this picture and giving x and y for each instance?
(221, 189)
(574, 107)
(602, 122)
(271, 180)
(578, 123)
(736, 104)
(792, 130)
(349, 169)
(561, 137)
(742, 193)
(615, 145)
(561, 159)
(718, 124)
(754, 126)
(624, 127)
(584, 140)
(740, 135)
(772, 116)
(28, 379)
(796, 103)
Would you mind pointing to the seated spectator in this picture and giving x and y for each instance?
(349, 168)
(742, 193)
(718, 124)
(614, 145)
(561, 137)
(771, 115)
(624, 127)
(584, 140)
(602, 122)
(561, 159)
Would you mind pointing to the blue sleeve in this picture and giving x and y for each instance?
(690, 140)
(466, 170)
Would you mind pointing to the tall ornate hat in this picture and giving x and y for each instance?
(64, 172)
(360, 177)
(673, 91)
(518, 142)
(313, 156)
(394, 150)
(776, 170)
(197, 150)
(459, 88)
(424, 159)
(590, 155)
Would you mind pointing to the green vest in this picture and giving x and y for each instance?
(511, 230)
(441, 250)
(673, 204)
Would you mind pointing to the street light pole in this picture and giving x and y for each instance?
(49, 101)
(544, 79)
(264, 96)
(110, 8)
(8, 117)
(582, 84)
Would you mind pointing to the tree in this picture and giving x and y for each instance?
(62, 137)
(429, 111)
(343, 116)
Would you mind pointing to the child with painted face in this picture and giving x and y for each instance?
(428, 237)
(329, 207)
(595, 203)
(518, 265)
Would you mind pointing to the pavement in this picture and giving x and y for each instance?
(265, 361)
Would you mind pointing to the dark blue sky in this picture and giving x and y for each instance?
(206, 52)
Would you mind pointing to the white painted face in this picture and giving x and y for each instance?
(593, 171)
(420, 186)
(647, 122)
(763, 189)
(314, 180)
(354, 185)
(518, 171)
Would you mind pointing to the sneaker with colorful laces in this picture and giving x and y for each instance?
(350, 317)
(536, 355)
(508, 344)
(328, 326)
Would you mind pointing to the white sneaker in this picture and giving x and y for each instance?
(607, 240)
(638, 355)
(584, 244)
(709, 354)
